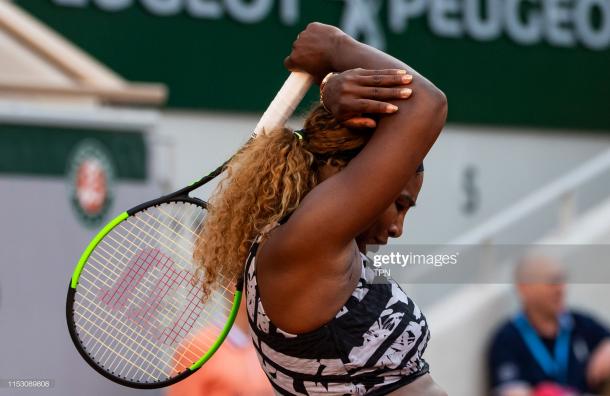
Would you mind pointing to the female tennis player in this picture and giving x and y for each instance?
(299, 209)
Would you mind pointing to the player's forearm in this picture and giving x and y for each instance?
(351, 54)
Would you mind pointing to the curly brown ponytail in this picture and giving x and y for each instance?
(263, 182)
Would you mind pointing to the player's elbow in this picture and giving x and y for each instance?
(436, 108)
(441, 106)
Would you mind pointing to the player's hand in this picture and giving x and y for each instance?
(351, 95)
(313, 50)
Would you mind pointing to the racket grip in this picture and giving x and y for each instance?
(285, 102)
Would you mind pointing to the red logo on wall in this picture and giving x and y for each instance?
(90, 174)
(91, 186)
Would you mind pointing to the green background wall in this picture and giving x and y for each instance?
(224, 64)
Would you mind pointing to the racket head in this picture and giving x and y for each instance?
(133, 309)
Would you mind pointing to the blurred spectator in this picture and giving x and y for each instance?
(233, 370)
(546, 349)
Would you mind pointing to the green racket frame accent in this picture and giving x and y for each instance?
(223, 334)
(94, 242)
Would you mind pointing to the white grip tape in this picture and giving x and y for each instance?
(285, 102)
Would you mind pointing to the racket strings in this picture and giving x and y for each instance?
(151, 353)
(223, 279)
(123, 332)
(106, 283)
(185, 227)
(106, 322)
(170, 239)
(176, 359)
(118, 354)
(132, 252)
(169, 248)
(114, 339)
(146, 281)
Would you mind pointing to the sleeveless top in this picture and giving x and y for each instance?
(372, 346)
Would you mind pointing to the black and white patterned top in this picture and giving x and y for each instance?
(372, 346)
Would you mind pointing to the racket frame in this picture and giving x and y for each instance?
(177, 196)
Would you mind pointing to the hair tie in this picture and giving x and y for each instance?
(300, 133)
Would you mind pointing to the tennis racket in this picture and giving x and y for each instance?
(133, 311)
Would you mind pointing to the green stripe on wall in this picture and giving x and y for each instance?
(44, 151)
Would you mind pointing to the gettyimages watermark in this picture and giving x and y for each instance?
(485, 264)
(403, 260)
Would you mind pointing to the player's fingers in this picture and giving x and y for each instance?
(288, 63)
(360, 122)
(379, 93)
(384, 80)
(363, 106)
(373, 72)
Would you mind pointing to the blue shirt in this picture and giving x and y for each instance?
(511, 361)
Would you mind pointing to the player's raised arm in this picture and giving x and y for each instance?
(349, 201)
